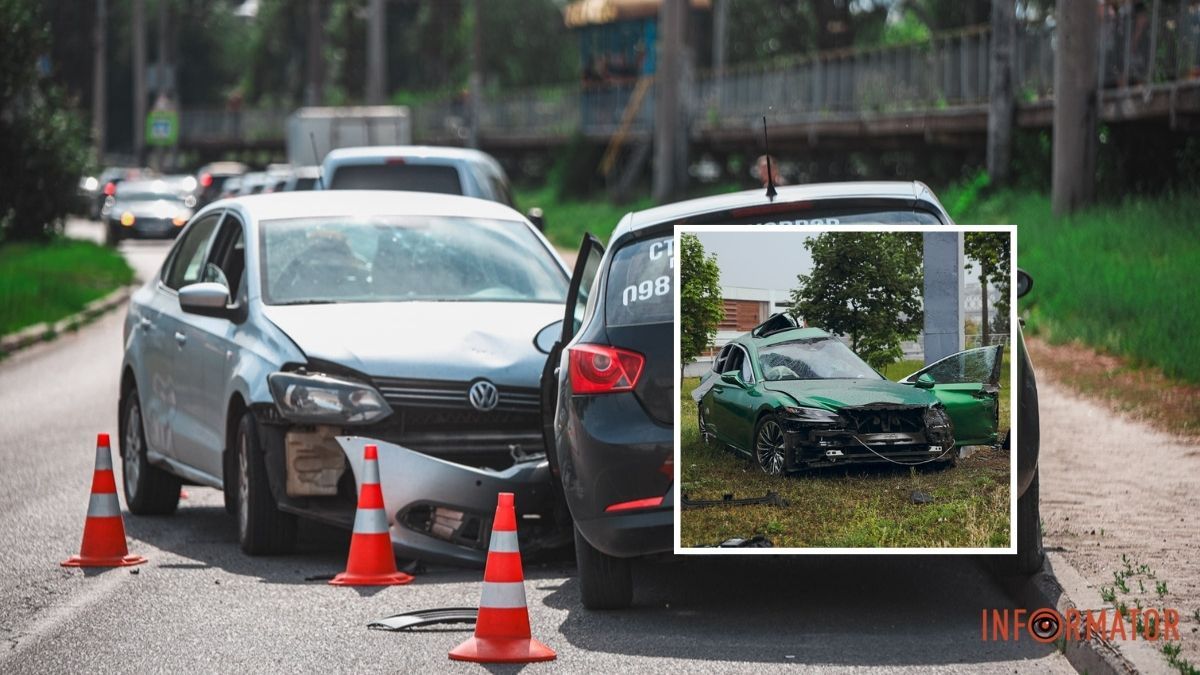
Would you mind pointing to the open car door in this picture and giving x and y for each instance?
(587, 265)
(968, 384)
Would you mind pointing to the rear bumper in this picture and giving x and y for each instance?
(611, 452)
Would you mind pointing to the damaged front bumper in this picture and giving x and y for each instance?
(440, 511)
(868, 434)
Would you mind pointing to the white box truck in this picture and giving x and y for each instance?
(331, 128)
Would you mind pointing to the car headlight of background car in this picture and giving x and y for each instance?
(320, 399)
(811, 415)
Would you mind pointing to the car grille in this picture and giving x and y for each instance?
(436, 417)
(452, 395)
(878, 420)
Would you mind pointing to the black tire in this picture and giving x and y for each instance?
(1030, 554)
(769, 451)
(705, 437)
(262, 528)
(112, 233)
(149, 490)
(605, 582)
(229, 467)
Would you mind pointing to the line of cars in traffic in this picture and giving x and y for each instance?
(413, 307)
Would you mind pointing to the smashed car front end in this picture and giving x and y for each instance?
(907, 433)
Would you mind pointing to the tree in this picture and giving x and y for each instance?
(43, 142)
(866, 286)
(991, 252)
(700, 304)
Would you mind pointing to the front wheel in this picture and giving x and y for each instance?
(1030, 553)
(262, 528)
(769, 450)
(149, 491)
(605, 582)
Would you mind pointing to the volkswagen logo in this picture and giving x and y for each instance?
(483, 395)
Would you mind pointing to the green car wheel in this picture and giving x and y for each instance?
(768, 446)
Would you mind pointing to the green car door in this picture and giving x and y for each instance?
(968, 384)
(735, 398)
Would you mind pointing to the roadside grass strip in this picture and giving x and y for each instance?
(44, 283)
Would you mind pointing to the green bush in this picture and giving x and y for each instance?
(43, 147)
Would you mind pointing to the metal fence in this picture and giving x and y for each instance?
(1159, 43)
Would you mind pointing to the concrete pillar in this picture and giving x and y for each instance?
(943, 298)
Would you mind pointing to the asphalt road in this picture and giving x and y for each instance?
(200, 605)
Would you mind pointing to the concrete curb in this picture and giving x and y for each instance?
(45, 331)
(1093, 656)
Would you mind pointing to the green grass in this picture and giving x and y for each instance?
(1118, 277)
(48, 282)
(567, 220)
(867, 507)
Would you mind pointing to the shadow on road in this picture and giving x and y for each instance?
(835, 610)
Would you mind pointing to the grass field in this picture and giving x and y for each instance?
(864, 507)
(1118, 277)
(48, 282)
(567, 220)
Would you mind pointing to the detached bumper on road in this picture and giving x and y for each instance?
(442, 511)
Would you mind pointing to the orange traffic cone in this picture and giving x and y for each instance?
(502, 629)
(372, 562)
(103, 531)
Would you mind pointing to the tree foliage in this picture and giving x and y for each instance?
(990, 252)
(700, 304)
(866, 286)
(43, 147)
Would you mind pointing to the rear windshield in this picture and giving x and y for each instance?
(639, 283)
(830, 213)
(414, 177)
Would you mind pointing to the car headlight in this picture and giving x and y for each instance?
(817, 415)
(320, 399)
(939, 429)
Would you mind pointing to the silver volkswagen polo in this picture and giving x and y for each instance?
(282, 323)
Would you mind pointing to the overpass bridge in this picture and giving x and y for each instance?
(933, 92)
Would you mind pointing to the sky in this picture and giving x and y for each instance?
(759, 259)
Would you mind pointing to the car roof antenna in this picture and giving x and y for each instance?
(771, 193)
(312, 137)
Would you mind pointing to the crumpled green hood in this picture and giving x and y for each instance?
(837, 394)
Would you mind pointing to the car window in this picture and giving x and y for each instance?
(400, 258)
(829, 212)
(719, 362)
(973, 366)
(812, 359)
(187, 262)
(747, 371)
(398, 176)
(227, 262)
(639, 283)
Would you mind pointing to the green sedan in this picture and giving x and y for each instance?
(792, 398)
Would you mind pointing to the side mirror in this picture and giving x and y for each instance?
(732, 377)
(925, 381)
(1024, 282)
(538, 218)
(205, 299)
(546, 337)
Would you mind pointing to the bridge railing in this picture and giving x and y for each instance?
(951, 70)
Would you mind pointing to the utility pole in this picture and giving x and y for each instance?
(161, 91)
(376, 57)
(670, 125)
(1075, 107)
(99, 79)
(139, 81)
(314, 93)
(475, 83)
(720, 28)
(1001, 105)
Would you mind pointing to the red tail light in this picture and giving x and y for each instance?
(649, 502)
(601, 369)
(205, 179)
(110, 188)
